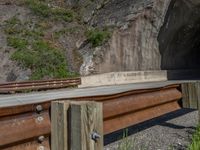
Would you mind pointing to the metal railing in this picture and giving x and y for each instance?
(38, 85)
(29, 126)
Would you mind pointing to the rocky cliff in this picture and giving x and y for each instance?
(150, 35)
(97, 36)
(134, 44)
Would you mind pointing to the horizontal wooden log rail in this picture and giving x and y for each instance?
(22, 126)
(38, 85)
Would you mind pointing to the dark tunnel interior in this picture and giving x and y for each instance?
(179, 38)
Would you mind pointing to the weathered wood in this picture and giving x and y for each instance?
(59, 127)
(84, 119)
(190, 95)
(198, 98)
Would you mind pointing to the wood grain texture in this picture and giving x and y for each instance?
(59, 127)
(86, 117)
(190, 95)
(198, 97)
(73, 124)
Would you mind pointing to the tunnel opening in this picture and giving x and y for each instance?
(179, 40)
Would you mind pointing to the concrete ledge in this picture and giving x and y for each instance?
(116, 78)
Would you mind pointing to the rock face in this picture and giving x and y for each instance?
(149, 35)
(146, 35)
(134, 45)
(64, 35)
(88, 8)
(9, 70)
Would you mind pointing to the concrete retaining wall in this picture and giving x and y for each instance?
(116, 78)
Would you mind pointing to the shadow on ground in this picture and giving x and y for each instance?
(115, 136)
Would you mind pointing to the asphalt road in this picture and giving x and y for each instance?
(35, 97)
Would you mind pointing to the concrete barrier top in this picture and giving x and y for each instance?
(116, 78)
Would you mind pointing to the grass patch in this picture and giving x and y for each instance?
(126, 143)
(32, 51)
(13, 26)
(63, 14)
(44, 60)
(66, 31)
(195, 145)
(17, 43)
(41, 8)
(97, 37)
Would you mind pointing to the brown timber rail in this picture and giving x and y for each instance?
(39, 85)
(28, 127)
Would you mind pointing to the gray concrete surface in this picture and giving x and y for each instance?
(128, 77)
(172, 134)
(117, 78)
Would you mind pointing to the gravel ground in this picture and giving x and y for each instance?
(170, 132)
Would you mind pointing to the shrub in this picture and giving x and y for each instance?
(42, 9)
(97, 37)
(32, 51)
(13, 26)
(62, 13)
(17, 43)
(39, 7)
(44, 60)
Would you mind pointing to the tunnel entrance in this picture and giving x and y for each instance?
(179, 37)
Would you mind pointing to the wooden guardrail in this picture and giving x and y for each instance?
(76, 125)
(38, 85)
(191, 95)
(28, 127)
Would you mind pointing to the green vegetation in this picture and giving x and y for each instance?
(126, 143)
(97, 37)
(36, 42)
(41, 8)
(44, 58)
(171, 147)
(195, 145)
(17, 43)
(66, 31)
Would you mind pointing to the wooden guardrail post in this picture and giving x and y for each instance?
(191, 95)
(76, 125)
